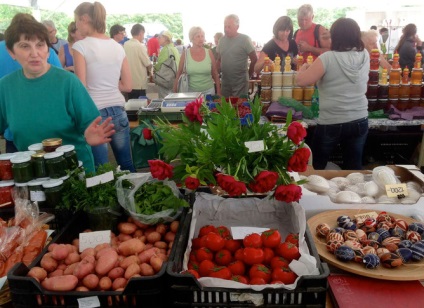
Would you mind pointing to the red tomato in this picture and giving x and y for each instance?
(240, 278)
(239, 254)
(202, 241)
(233, 245)
(223, 257)
(206, 230)
(220, 272)
(268, 255)
(288, 251)
(237, 267)
(257, 281)
(204, 254)
(278, 261)
(214, 241)
(252, 240)
(224, 232)
(283, 274)
(205, 267)
(192, 256)
(253, 255)
(293, 238)
(195, 243)
(260, 271)
(193, 265)
(271, 238)
(192, 272)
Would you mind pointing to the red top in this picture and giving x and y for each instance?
(153, 46)
(307, 36)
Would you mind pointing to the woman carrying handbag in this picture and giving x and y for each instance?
(199, 64)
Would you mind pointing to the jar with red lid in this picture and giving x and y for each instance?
(6, 172)
(6, 188)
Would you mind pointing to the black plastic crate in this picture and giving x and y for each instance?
(140, 291)
(186, 291)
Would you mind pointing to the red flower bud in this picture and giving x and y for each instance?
(299, 161)
(264, 182)
(160, 170)
(192, 183)
(296, 132)
(288, 193)
(192, 111)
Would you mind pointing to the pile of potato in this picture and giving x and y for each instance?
(139, 250)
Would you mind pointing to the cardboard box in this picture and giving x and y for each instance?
(314, 204)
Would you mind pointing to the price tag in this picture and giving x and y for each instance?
(240, 233)
(92, 239)
(397, 190)
(255, 146)
(99, 179)
(360, 218)
(88, 302)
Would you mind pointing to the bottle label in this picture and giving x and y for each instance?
(38, 196)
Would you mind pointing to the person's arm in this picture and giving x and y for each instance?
(215, 74)
(125, 83)
(384, 63)
(80, 67)
(260, 63)
(253, 59)
(310, 74)
(179, 72)
(62, 55)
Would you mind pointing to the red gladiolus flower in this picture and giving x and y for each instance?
(160, 170)
(288, 193)
(296, 132)
(147, 133)
(192, 183)
(299, 161)
(192, 111)
(264, 182)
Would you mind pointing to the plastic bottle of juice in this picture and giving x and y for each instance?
(315, 103)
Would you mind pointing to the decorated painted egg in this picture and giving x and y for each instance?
(333, 236)
(359, 255)
(317, 183)
(383, 177)
(333, 245)
(405, 254)
(353, 244)
(347, 197)
(383, 216)
(322, 230)
(339, 230)
(381, 251)
(361, 235)
(405, 244)
(374, 236)
(384, 233)
(369, 250)
(371, 261)
(344, 253)
(417, 226)
(384, 225)
(413, 236)
(350, 235)
(355, 178)
(391, 240)
(390, 260)
(370, 222)
(417, 251)
(341, 220)
(401, 224)
(349, 225)
(391, 247)
(397, 232)
(341, 182)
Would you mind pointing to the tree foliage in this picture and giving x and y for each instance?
(322, 16)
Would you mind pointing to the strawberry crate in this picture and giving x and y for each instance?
(146, 291)
(187, 291)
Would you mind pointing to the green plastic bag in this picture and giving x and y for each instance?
(143, 150)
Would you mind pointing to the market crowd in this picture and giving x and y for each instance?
(76, 89)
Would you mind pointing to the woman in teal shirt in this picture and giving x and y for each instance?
(41, 101)
(201, 65)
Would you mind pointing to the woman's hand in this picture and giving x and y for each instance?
(97, 133)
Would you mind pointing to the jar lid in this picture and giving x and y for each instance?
(382, 100)
(276, 72)
(37, 182)
(66, 148)
(417, 85)
(35, 147)
(7, 156)
(20, 158)
(265, 88)
(288, 73)
(52, 155)
(52, 183)
(265, 73)
(21, 184)
(27, 152)
(38, 155)
(7, 183)
(414, 98)
(52, 142)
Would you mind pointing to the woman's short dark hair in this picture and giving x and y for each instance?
(26, 25)
(346, 35)
(283, 23)
(72, 28)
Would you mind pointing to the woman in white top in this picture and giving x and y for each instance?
(101, 65)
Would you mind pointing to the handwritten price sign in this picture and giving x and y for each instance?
(397, 190)
(360, 218)
(92, 239)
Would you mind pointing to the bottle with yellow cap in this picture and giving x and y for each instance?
(405, 75)
(383, 80)
(299, 62)
(395, 64)
(277, 64)
(418, 59)
(310, 59)
(287, 66)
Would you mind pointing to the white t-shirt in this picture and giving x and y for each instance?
(103, 59)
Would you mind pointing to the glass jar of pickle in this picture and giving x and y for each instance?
(36, 191)
(51, 144)
(70, 155)
(6, 188)
(37, 147)
(266, 79)
(39, 165)
(53, 189)
(266, 94)
(22, 168)
(55, 164)
(6, 167)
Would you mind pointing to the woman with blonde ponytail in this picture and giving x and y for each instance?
(101, 65)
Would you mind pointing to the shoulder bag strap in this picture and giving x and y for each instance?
(185, 62)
